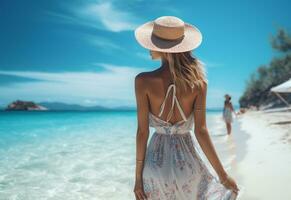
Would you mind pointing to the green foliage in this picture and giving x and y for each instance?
(282, 42)
(266, 76)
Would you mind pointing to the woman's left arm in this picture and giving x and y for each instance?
(202, 135)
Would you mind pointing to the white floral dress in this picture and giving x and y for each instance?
(173, 169)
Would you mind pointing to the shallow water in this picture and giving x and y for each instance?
(77, 155)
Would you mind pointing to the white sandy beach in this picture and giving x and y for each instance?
(262, 167)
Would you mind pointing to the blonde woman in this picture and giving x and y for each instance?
(172, 99)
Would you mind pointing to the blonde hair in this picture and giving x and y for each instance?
(186, 70)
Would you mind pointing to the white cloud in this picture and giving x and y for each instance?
(110, 88)
(110, 17)
(113, 87)
(99, 15)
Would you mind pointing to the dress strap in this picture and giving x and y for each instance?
(174, 99)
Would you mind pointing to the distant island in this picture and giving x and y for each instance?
(60, 106)
(21, 105)
(24, 105)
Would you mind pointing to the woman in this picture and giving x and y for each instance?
(227, 113)
(170, 166)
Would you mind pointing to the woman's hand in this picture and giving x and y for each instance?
(229, 183)
(138, 190)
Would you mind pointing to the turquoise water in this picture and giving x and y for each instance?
(74, 155)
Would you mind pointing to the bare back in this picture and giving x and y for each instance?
(156, 85)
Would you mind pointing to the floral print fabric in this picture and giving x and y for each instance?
(174, 170)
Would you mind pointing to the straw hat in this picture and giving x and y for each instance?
(168, 34)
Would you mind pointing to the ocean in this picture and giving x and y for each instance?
(78, 155)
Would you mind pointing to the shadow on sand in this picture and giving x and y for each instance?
(281, 123)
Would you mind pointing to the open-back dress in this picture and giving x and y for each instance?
(173, 168)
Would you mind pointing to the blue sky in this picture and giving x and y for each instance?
(85, 52)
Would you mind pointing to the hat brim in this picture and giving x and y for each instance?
(192, 39)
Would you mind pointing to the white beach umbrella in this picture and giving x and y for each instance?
(282, 88)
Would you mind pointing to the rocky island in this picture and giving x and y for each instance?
(24, 105)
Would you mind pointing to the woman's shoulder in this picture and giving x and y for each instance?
(148, 73)
(202, 89)
(147, 76)
(143, 80)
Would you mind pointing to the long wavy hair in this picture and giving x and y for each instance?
(187, 70)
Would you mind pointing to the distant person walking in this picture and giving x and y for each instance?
(227, 113)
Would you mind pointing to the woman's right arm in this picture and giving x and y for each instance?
(142, 132)
(202, 134)
(204, 140)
